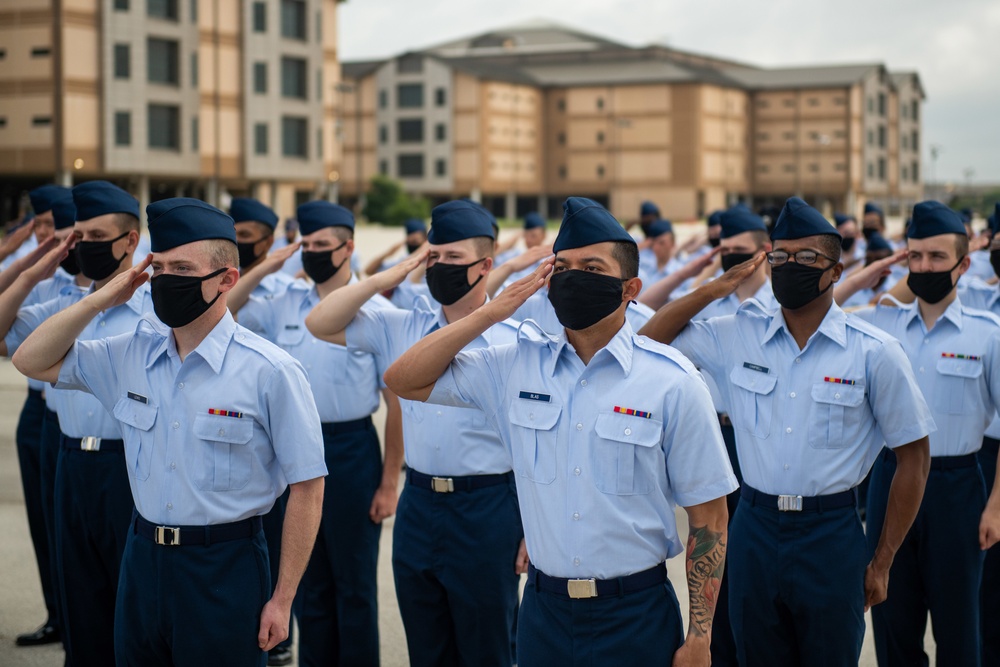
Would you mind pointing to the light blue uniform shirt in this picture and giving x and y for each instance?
(517, 275)
(863, 297)
(982, 296)
(797, 431)
(271, 286)
(980, 267)
(345, 383)
(44, 291)
(539, 308)
(80, 414)
(25, 248)
(957, 365)
(454, 442)
(651, 273)
(506, 256)
(408, 295)
(597, 488)
(185, 465)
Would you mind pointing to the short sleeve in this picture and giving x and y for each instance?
(476, 379)
(257, 315)
(28, 319)
(90, 366)
(896, 401)
(293, 423)
(699, 342)
(369, 332)
(868, 314)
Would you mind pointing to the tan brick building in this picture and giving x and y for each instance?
(522, 117)
(170, 97)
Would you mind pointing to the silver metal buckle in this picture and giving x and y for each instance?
(90, 444)
(789, 503)
(442, 484)
(168, 536)
(581, 589)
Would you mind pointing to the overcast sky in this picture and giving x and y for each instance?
(953, 45)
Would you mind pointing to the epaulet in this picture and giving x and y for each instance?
(641, 308)
(530, 331)
(642, 343)
(752, 305)
(866, 328)
(268, 350)
(981, 314)
(149, 325)
(421, 303)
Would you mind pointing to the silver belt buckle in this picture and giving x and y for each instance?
(581, 589)
(167, 536)
(90, 444)
(789, 503)
(442, 484)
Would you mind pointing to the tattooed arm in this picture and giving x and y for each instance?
(706, 559)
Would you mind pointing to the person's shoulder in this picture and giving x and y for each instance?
(978, 314)
(647, 351)
(261, 350)
(859, 327)
(379, 302)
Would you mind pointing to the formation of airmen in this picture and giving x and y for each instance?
(200, 463)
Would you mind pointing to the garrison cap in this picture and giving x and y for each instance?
(245, 209)
(44, 197)
(585, 222)
(967, 215)
(715, 218)
(877, 243)
(96, 198)
(649, 208)
(533, 221)
(872, 207)
(182, 220)
(64, 212)
(798, 220)
(739, 219)
(459, 220)
(931, 218)
(659, 228)
(315, 215)
(843, 218)
(414, 225)
(994, 220)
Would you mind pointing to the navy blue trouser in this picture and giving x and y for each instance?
(990, 588)
(191, 605)
(93, 509)
(643, 628)
(453, 557)
(937, 569)
(48, 457)
(338, 598)
(796, 586)
(274, 524)
(723, 644)
(29, 458)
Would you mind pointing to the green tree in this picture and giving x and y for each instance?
(389, 204)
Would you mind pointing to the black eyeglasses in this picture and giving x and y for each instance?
(804, 257)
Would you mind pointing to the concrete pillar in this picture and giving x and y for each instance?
(65, 179)
(543, 206)
(476, 195)
(143, 194)
(212, 192)
(510, 206)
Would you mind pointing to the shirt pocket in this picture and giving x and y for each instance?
(138, 419)
(836, 415)
(290, 338)
(959, 381)
(626, 456)
(228, 461)
(533, 439)
(753, 400)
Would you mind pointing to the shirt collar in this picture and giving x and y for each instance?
(619, 348)
(833, 326)
(953, 313)
(212, 349)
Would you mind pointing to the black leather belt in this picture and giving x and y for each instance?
(450, 484)
(177, 536)
(92, 444)
(788, 503)
(941, 462)
(597, 588)
(336, 428)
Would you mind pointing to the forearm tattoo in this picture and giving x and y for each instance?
(706, 560)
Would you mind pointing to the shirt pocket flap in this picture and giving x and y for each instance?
(234, 430)
(964, 368)
(629, 430)
(755, 381)
(135, 414)
(534, 414)
(850, 396)
(291, 336)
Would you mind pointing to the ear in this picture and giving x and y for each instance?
(349, 247)
(133, 240)
(631, 289)
(486, 266)
(964, 265)
(837, 271)
(229, 279)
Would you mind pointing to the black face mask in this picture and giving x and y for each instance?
(96, 259)
(714, 242)
(869, 232)
(177, 300)
(847, 243)
(70, 265)
(319, 265)
(247, 255)
(932, 286)
(582, 299)
(449, 282)
(412, 248)
(995, 261)
(796, 285)
(735, 258)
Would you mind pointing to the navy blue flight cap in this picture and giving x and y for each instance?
(533, 221)
(872, 207)
(649, 208)
(315, 215)
(459, 220)
(931, 218)
(44, 197)
(715, 218)
(877, 243)
(994, 220)
(585, 222)
(739, 219)
(64, 212)
(659, 228)
(181, 220)
(843, 218)
(245, 209)
(96, 198)
(414, 225)
(967, 215)
(798, 220)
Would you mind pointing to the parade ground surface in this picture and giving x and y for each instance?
(21, 608)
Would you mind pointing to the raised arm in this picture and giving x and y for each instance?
(27, 272)
(248, 282)
(15, 239)
(499, 275)
(866, 278)
(659, 292)
(374, 266)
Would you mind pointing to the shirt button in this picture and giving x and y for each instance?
(836, 395)
(170, 506)
(792, 395)
(788, 430)
(103, 323)
(177, 424)
(583, 383)
(576, 516)
(222, 431)
(628, 431)
(180, 385)
(576, 561)
(786, 466)
(173, 466)
(579, 427)
(439, 413)
(531, 415)
(798, 360)
(241, 336)
(640, 341)
(921, 369)
(576, 471)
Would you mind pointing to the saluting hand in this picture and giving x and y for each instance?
(42, 262)
(869, 276)
(727, 283)
(529, 257)
(512, 298)
(14, 240)
(274, 261)
(394, 275)
(696, 266)
(121, 288)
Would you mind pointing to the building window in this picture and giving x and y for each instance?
(411, 64)
(193, 11)
(840, 166)
(789, 168)
(906, 174)
(161, 59)
(121, 5)
(788, 136)
(194, 69)
(871, 170)
(383, 99)
(440, 167)
(788, 102)
(440, 132)
(319, 142)
(3, 53)
(383, 134)
(164, 126)
(881, 169)
(410, 165)
(259, 17)
(600, 103)
(913, 112)
(881, 136)
(123, 61)
(162, 9)
(881, 104)
(293, 19)
(410, 96)
(813, 167)
(194, 134)
(440, 97)
(905, 141)
(41, 121)
(410, 131)
(260, 78)
(600, 171)
(905, 110)
(813, 101)
(562, 173)
(561, 138)
(294, 133)
(763, 136)
(561, 104)
(383, 167)
(839, 134)
(123, 128)
(293, 78)
(600, 137)
(3, 121)
(41, 52)
(319, 85)
(763, 169)
(871, 105)
(915, 141)
(839, 101)
(915, 171)
(871, 137)
(763, 104)
(260, 139)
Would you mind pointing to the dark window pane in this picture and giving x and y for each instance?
(194, 69)
(440, 132)
(162, 9)
(161, 56)
(383, 99)
(881, 136)
(319, 143)
(260, 78)
(259, 17)
(123, 128)
(194, 133)
(194, 11)
(440, 97)
(915, 141)
(164, 126)
(410, 65)
(121, 5)
(383, 167)
(123, 61)
(383, 134)
(441, 168)
(410, 96)
(410, 131)
(294, 133)
(41, 121)
(293, 78)
(881, 169)
(293, 19)
(260, 139)
(915, 171)
(410, 165)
